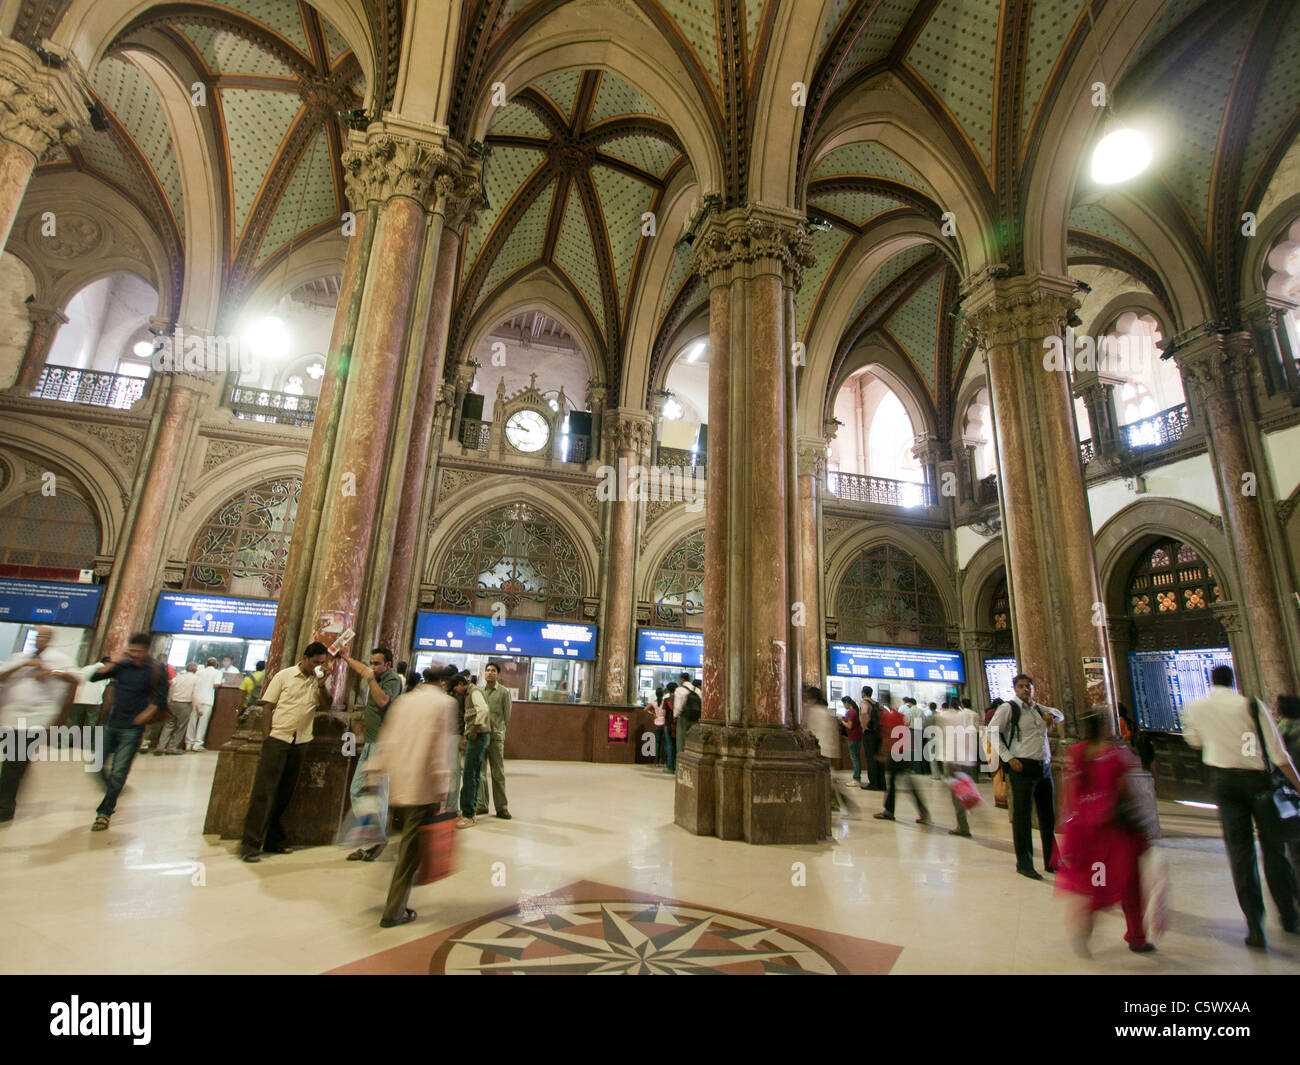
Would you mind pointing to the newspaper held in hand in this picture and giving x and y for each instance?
(344, 638)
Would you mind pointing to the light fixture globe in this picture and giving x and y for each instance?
(142, 349)
(269, 338)
(1120, 155)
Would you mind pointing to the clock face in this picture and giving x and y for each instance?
(527, 430)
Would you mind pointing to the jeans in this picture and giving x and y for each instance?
(120, 745)
(409, 820)
(855, 756)
(670, 748)
(12, 771)
(870, 754)
(453, 785)
(474, 749)
(277, 774)
(494, 760)
(1234, 792)
(897, 768)
(661, 752)
(1033, 784)
(173, 733)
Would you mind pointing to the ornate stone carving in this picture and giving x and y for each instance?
(585, 495)
(629, 430)
(657, 508)
(1285, 508)
(1216, 521)
(753, 235)
(834, 527)
(173, 577)
(1213, 359)
(387, 164)
(74, 236)
(812, 457)
(186, 500)
(123, 443)
(451, 481)
(220, 451)
(39, 107)
(1007, 310)
(936, 537)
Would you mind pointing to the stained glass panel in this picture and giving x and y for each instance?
(242, 548)
(886, 596)
(59, 531)
(679, 584)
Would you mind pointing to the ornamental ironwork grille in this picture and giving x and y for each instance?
(679, 585)
(513, 555)
(1168, 595)
(885, 596)
(60, 531)
(242, 548)
(1000, 619)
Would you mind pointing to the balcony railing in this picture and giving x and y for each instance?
(1167, 427)
(282, 408)
(474, 433)
(681, 459)
(855, 488)
(1087, 451)
(68, 385)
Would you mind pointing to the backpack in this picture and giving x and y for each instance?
(692, 708)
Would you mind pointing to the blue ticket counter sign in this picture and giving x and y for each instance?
(1166, 681)
(215, 615)
(462, 634)
(896, 663)
(49, 602)
(669, 647)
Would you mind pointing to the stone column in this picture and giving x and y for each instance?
(628, 432)
(39, 110)
(450, 210)
(757, 777)
(812, 475)
(1056, 602)
(1215, 366)
(46, 320)
(139, 558)
(927, 450)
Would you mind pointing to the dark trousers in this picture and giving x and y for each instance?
(1234, 792)
(870, 754)
(1032, 785)
(683, 727)
(670, 746)
(855, 756)
(12, 771)
(898, 769)
(408, 821)
(120, 745)
(474, 751)
(277, 774)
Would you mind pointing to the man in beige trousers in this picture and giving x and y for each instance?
(416, 745)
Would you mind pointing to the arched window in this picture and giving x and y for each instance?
(885, 596)
(1282, 278)
(1168, 594)
(243, 547)
(517, 556)
(876, 434)
(1151, 384)
(679, 585)
(59, 531)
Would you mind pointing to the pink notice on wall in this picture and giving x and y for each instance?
(619, 726)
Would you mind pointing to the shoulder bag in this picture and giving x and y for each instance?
(1277, 804)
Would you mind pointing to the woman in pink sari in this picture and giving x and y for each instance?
(1099, 853)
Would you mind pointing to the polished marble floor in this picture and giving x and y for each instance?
(591, 875)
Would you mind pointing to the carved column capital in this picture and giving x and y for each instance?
(1007, 310)
(45, 315)
(629, 430)
(1211, 357)
(926, 449)
(596, 395)
(830, 429)
(1229, 616)
(465, 375)
(761, 239)
(40, 107)
(398, 158)
(812, 457)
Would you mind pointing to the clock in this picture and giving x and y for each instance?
(527, 430)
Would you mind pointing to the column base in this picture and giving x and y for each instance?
(319, 798)
(760, 785)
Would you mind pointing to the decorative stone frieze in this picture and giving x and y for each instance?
(40, 108)
(399, 159)
(766, 240)
(999, 311)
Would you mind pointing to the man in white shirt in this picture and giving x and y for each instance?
(957, 752)
(292, 699)
(205, 694)
(1021, 728)
(35, 686)
(687, 708)
(1227, 733)
(180, 704)
(89, 697)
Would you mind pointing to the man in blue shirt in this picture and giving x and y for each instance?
(139, 694)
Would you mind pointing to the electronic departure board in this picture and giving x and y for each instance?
(1166, 681)
(999, 672)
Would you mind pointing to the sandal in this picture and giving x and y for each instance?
(358, 855)
(407, 919)
(101, 823)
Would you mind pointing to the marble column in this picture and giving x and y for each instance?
(812, 475)
(46, 320)
(1215, 367)
(408, 543)
(1059, 619)
(628, 434)
(39, 109)
(748, 771)
(285, 642)
(139, 558)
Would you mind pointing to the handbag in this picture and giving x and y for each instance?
(1278, 804)
(964, 788)
(436, 843)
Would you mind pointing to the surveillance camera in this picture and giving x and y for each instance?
(1082, 286)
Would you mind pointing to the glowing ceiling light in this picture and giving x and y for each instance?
(1120, 155)
(269, 337)
(142, 349)
(673, 410)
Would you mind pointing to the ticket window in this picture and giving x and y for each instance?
(243, 654)
(648, 678)
(514, 671)
(557, 680)
(15, 637)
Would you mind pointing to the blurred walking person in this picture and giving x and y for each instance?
(414, 748)
(33, 689)
(896, 742)
(180, 703)
(869, 716)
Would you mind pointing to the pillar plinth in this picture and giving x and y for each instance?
(1052, 574)
(628, 434)
(748, 771)
(1215, 366)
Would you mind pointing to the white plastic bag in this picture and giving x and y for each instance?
(367, 821)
